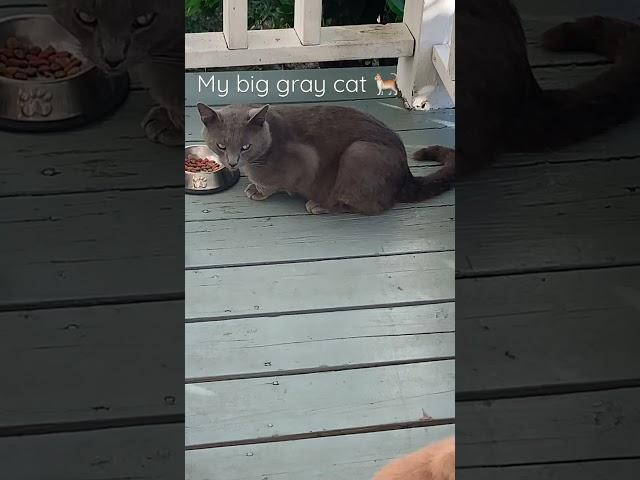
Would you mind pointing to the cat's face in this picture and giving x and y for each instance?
(239, 135)
(116, 34)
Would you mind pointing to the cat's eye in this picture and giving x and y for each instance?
(144, 20)
(246, 147)
(221, 146)
(86, 18)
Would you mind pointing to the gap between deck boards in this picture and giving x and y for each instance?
(551, 269)
(320, 259)
(89, 425)
(325, 433)
(318, 310)
(546, 390)
(401, 206)
(91, 302)
(304, 371)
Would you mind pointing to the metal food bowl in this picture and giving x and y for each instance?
(207, 182)
(46, 104)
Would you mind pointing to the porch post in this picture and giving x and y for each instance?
(430, 22)
(308, 20)
(234, 23)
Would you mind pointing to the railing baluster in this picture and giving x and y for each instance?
(234, 23)
(308, 20)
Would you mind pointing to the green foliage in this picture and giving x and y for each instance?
(206, 15)
(396, 8)
(264, 14)
(197, 7)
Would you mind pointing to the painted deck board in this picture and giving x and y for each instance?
(620, 143)
(554, 428)
(542, 219)
(310, 237)
(144, 453)
(147, 453)
(224, 412)
(75, 230)
(596, 309)
(594, 470)
(56, 166)
(294, 343)
(313, 286)
(523, 198)
(59, 390)
(348, 457)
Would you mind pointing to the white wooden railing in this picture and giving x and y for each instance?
(412, 42)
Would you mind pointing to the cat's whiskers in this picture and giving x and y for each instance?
(166, 59)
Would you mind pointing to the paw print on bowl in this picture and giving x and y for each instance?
(35, 103)
(200, 182)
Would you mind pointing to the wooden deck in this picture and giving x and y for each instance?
(317, 346)
(85, 312)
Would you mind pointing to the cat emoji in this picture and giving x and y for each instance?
(386, 85)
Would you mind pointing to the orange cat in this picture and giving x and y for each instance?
(435, 462)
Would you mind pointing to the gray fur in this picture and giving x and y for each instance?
(116, 42)
(338, 159)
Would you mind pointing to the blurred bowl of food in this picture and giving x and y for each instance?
(46, 83)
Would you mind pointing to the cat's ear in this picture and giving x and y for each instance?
(207, 114)
(258, 116)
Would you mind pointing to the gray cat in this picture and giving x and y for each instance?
(145, 36)
(338, 159)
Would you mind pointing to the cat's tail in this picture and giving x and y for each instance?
(418, 189)
(611, 98)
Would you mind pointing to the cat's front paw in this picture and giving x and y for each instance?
(160, 128)
(315, 208)
(253, 193)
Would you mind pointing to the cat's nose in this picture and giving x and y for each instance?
(113, 62)
(233, 163)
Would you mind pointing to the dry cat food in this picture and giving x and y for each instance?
(23, 61)
(194, 164)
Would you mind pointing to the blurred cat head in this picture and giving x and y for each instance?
(118, 34)
(238, 134)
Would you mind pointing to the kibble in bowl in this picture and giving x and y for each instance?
(195, 164)
(22, 60)
(203, 174)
